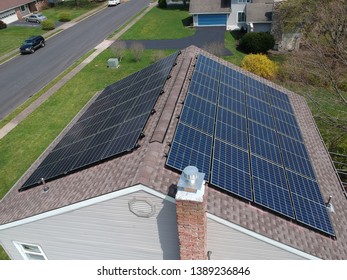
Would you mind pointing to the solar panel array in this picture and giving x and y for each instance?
(244, 136)
(110, 126)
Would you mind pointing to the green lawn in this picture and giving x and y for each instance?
(230, 43)
(13, 36)
(158, 24)
(70, 8)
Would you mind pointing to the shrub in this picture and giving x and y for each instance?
(257, 42)
(48, 24)
(118, 49)
(158, 55)
(260, 65)
(64, 17)
(137, 50)
(2, 25)
(162, 4)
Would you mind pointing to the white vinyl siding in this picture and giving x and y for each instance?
(105, 230)
(230, 244)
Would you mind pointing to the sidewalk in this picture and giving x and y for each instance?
(98, 49)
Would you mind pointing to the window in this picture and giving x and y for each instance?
(241, 17)
(30, 251)
(245, 1)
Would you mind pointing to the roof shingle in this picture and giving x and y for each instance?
(146, 165)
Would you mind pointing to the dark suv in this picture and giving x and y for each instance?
(32, 44)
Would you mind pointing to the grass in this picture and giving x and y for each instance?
(3, 255)
(70, 8)
(157, 24)
(13, 36)
(231, 44)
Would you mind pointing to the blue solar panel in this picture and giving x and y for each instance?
(257, 151)
(230, 170)
(199, 113)
(265, 149)
(260, 117)
(270, 187)
(312, 214)
(110, 126)
(304, 187)
(190, 147)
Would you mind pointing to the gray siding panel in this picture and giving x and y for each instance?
(106, 230)
(231, 244)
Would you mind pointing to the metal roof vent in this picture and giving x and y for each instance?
(329, 205)
(191, 180)
(142, 207)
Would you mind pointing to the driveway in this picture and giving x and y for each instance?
(203, 37)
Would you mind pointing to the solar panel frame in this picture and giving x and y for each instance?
(107, 133)
(278, 174)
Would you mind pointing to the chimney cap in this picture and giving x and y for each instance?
(190, 184)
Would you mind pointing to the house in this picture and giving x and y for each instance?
(119, 182)
(12, 10)
(248, 15)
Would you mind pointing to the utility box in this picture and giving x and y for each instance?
(113, 63)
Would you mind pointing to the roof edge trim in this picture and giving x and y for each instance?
(86, 203)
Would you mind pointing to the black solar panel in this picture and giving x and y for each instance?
(244, 136)
(110, 126)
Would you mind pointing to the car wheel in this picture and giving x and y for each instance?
(43, 44)
(37, 21)
(32, 50)
(26, 20)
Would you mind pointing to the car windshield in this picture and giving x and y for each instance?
(28, 42)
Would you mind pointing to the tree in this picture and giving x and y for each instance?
(162, 4)
(257, 42)
(323, 53)
(137, 50)
(118, 48)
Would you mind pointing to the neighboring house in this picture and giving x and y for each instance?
(109, 180)
(12, 10)
(250, 15)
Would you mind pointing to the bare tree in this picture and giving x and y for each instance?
(118, 48)
(323, 53)
(137, 50)
(158, 55)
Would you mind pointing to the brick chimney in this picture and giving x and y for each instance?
(191, 214)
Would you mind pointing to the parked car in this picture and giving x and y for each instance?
(113, 2)
(32, 44)
(38, 18)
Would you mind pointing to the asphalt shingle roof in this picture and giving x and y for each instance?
(259, 12)
(9, 4)
(208, 6)
(146, 165)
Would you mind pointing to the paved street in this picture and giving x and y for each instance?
(23, 76)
